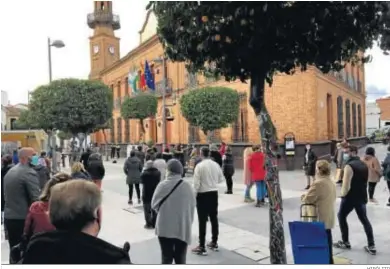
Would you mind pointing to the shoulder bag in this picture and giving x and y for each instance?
(169, 194)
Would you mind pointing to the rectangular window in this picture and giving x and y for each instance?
(354, 124)
(340, 117)
(348, 118)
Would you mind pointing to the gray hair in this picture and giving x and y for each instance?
(74, 204)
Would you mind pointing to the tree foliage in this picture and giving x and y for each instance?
(242, 38)
(139, 107)
(72, 105)
(26, 121)
(254, 40)
(210, 108)
(64, 135)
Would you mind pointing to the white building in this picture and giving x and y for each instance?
(4, 103)
(373, 121)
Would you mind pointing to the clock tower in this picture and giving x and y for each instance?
(104, 45)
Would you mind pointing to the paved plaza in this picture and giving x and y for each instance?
(243, 228)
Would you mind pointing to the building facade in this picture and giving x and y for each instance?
(315, 107)
(384, 107)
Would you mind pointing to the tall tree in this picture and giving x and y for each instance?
(254, 40)
(141, 106)
(210, 108)
(74, 105)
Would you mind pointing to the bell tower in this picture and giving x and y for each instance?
(103, 44)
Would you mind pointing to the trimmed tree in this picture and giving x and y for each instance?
(141, 106)
(73, 105)
(210, 108)
(255, 40)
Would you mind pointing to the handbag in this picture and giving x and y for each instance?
(169, 194)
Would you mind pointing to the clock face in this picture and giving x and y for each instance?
(111, 49)
(95, 49)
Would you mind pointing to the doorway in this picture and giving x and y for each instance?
(329, 116)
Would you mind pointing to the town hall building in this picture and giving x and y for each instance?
(314, 107)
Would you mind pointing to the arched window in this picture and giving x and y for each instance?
(359, 120)
(348, 118)
(354, 125)
(340, 117)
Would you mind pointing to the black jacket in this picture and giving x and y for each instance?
(96, 169)
(150, 178)
(141, 156)
(216, 157)
(62, 247)
(167, 156)
(43, 175)
(357, 194)
(179, 155)
(4, 170)
(81, 175)
(310, 165)
(84, 159)
(228, 165)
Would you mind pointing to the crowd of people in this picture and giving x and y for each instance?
(53, 214)
(358, 177)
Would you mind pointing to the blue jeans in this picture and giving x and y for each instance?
(248, 190)
(346, 208)
(260, 189)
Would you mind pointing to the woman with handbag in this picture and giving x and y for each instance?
(174, 201)
(309, 165)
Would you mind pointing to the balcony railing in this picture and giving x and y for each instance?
(160, 87)
(103, 17)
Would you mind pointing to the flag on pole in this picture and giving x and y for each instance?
(141, 74)
(149, 77)
(133, 81)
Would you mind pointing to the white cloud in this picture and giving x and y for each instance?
(27, 24)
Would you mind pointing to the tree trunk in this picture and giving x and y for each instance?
(269, 141)
(106, 144)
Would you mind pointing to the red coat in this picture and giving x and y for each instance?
(38, 219)
(256, 166)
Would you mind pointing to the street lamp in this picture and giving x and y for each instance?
(164, 116)
(57, 44)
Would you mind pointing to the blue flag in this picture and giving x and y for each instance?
(149, 77)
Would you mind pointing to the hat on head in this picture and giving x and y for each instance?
(174, 167)
(149, 164)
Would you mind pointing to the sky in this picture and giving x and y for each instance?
(26, 25)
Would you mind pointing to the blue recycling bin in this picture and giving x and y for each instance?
(309, 242)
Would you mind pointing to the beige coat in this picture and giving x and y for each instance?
(374, 168)
(247, 174)
(322, 194)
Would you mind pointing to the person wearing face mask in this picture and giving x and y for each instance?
(76, 213)
(21, 189)
(354, 197)
(309, 165)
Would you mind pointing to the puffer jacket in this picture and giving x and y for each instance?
(132, 168)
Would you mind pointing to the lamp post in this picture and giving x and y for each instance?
(164, 116)
(57, 44)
